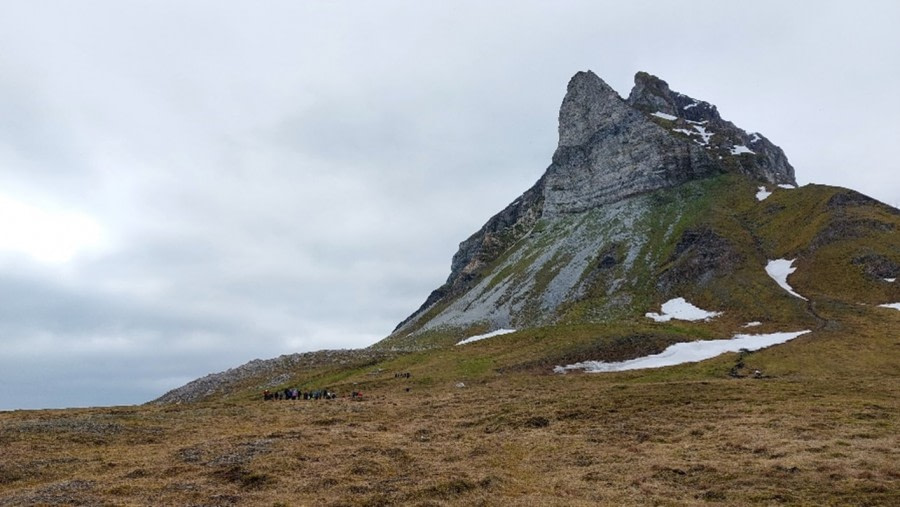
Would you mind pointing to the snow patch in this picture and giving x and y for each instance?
(688, 352)
(755, 138)
(486, 335)
(762, 194)
(779, 270)
(890, 280)
(664, 116)
(895, 306)
(787, 186)
(680, 309)
(753, 324)
(705, 134)
(740, 148)
(699, 129)
(695, 104)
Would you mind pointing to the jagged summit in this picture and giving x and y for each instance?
(610, 148)
(588, 239)
(700, 122)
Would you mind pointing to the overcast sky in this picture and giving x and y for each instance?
(186, 186)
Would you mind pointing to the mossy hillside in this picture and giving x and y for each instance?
(741, 287)
(827, 240)
(535, 350)
(714, 205)
(752, 232)
(855, 345)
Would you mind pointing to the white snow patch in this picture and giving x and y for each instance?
(664, 116)
(755, 138)
(737, 149)
(762, 194)
(680, 309)
(753, 324)
(688, 352)
(705, 134)
(895, 306)
(699, 129)
(486, 335)
(890, 280)
(787, 186)
(695, 104)
(779, 270)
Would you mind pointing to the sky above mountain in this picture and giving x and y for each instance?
(186, 186)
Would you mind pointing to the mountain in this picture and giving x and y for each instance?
(647, 200)
(651, 198)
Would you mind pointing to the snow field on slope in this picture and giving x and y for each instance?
(664, 116)
(687, 352)
(680, 309)
(762, 194)
(779, 269)
(486, 335)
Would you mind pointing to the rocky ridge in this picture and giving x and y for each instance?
(268, 373)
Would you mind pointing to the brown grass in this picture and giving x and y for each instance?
(510, 440)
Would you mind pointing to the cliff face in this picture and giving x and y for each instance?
(610, 151)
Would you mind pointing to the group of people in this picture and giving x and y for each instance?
(292, 393)
(296, 394)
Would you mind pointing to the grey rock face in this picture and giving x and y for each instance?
(700, 122)
(609, 150)
(699, 256)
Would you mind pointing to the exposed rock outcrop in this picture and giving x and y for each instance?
(267, 373)
(699, 121)
(609, 150)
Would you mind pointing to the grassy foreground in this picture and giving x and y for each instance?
(820, 428)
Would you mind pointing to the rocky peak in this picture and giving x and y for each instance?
(651, 94)
(609, 150)
(588, 106)
(699, 122)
